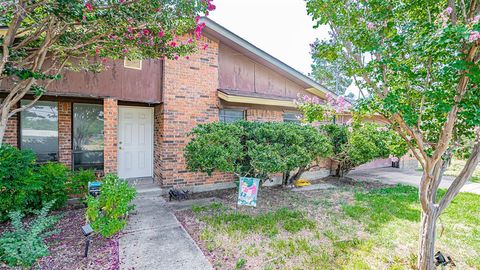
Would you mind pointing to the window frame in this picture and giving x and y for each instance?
(294, 120)
(20, 130)
(101, 166)
(243, 111)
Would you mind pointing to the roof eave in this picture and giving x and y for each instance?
(223, 33)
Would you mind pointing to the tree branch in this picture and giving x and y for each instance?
(464, 175)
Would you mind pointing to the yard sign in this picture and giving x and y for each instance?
(247, 191)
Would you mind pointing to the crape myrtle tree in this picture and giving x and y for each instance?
(43, 37)
(418, 61)
(256, 149)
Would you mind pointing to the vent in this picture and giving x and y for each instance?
(133, 64)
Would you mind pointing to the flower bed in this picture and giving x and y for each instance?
(67, 247)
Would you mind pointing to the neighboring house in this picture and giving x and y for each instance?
(133, 118)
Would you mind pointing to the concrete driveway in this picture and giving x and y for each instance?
(407, 177)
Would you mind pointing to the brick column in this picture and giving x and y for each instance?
(65, 133)
(11, 133)
(110, 127)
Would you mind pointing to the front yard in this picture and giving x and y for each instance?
(353, 226)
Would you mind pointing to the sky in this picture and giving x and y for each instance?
(281, 28)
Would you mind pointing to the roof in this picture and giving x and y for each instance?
(219, 32)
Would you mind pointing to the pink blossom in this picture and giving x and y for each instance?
(129, 29)
(370, 25)
(197, 18)
(448, 10)
(160, 34)
(89, 7)
(104, 60)
(205, 46)
(306, 98)
(125, 50)
(121, 1)
(211, 6)
(173, 44)
(474, 36)
(187, 57)
(176, 57)
(198, 30)
(190, 40)
(146, 32)
(476, 19)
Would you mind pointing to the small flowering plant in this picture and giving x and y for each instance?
(313, 109)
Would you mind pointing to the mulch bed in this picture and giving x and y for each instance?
(67, 247)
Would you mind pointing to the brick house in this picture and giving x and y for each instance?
(133, 118)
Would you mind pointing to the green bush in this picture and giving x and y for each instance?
(18, 185)
(24, 244)
(255, 149)
(362, 143)
(107, 212)
(78, 182)
(26, 186)
(53, 177)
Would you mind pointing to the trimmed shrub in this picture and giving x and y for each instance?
(362, 143)
(78, 182)
(255, 149)
(24, 244)
(108, 211)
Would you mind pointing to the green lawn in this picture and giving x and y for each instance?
(351, 227)
(457, 165)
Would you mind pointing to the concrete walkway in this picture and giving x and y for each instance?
(407, 177)
(154, 239)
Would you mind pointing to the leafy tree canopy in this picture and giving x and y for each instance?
(45, 36)
(419, 62)
(329, 74)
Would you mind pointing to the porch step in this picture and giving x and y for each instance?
(145, 186)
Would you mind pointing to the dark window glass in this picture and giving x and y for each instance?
(231, 115)
(88, 136)
(291, 117)
(39, 129)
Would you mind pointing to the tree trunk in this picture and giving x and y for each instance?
(3, 128)
(426, 252)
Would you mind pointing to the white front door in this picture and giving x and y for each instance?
(135, 142)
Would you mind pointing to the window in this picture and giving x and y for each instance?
(291, 117)
(133, 64)
(39, 129)
(87, 136)
(231, 115)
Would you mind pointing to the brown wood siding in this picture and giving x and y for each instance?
(238, 72)
(115, 82)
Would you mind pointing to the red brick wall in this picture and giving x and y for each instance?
(110, 124)
(65, 133)
(11, 133)
(189, 98)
